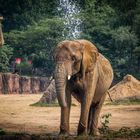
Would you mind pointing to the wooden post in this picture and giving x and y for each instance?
(1, 33)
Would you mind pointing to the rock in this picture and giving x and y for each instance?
(15, 83)
(128, 88)
(35, 84)
(49, 95)
(7, 83)
(25, 84)
(44, 83)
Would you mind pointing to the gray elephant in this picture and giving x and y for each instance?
(86, 74)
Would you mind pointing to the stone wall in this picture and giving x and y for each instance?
(15, 84)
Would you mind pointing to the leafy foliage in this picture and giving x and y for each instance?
(124, 132)
(37, 42)
(109, 25)
(5, 55)
(24, 68)
(105, 122)
(21, 13)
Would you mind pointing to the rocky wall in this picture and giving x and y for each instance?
(15, 84)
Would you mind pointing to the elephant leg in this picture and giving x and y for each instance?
(90, 117)
(65, 115)
(91, 80)
(96, 109)
(82, 127)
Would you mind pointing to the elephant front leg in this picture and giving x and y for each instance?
(91, 81)
(82, 127)
(65, 115)
(64, 126)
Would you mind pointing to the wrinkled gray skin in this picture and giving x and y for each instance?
(83, 72)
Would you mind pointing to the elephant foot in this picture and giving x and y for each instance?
(94, 133)
(82, 130)
(63, 131)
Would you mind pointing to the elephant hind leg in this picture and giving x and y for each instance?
(95, 112)
(90, 117)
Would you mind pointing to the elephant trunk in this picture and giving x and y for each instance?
(60, 84)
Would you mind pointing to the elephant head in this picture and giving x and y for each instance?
(72, 57)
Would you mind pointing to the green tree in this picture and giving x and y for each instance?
(109, 25)
(37, 42)
(20, 13)
(5, 55)
(123, 43)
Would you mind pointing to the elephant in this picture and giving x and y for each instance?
(84, 73)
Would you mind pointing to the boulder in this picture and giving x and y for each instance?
(35, 84)
(44, 83)
(25, 84)
(7, 83)
(128, 88)
(15, 83)
(49, 95)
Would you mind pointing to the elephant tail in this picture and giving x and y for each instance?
(110, 96)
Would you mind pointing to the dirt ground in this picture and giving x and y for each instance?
(16, 115)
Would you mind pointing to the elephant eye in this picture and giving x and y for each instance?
(73, 58)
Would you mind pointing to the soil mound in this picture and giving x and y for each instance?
(128, 88)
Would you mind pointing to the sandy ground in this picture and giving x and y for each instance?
(16, 115)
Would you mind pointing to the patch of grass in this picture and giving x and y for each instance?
(2, 132)
(125, 102)
(124, 132)
(38, 104)
(105, 122)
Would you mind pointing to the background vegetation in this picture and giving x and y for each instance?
(33, 28)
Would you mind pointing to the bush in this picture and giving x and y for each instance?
(5, 55)
(24, 68)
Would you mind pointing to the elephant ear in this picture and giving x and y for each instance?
(90, 56)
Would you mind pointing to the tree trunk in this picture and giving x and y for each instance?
(49, 96)
(1, 84)
(1, 33)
